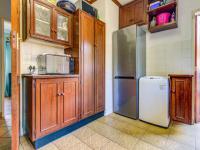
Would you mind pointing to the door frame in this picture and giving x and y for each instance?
(197, 98)
(15, 67)
(2, 67)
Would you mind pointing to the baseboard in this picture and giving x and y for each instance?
(54, 136)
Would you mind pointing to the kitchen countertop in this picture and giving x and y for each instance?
(37, 76)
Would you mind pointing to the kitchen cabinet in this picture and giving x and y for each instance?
(133, 13)
(51, 103)
(181, 98)
(99, 66)
(89, 48)
(47, 107)
(45, 21)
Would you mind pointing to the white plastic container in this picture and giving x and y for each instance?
(154, 100)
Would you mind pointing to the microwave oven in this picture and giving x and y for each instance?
(85, 6)
(54, 64)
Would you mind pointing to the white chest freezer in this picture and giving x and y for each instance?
(154, 100)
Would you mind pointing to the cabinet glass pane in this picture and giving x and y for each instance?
(62, 28)
(42, 20)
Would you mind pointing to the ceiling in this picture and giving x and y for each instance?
(123, 2)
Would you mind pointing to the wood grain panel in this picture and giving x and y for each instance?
(15, 66)
(181, 98)
(47, 107)
(99, 66)
(87, 62)
(69, 104)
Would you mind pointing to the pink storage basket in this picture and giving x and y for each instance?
(163, 18)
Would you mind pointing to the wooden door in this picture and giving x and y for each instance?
(139, 11)
(48, 96)
(70, 101)
(181, 99)
(99, 66)
(87, 64)
(197, 68)
(62, 27)
(41, 20)
(15, 30)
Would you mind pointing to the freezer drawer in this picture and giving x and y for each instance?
(125, 97)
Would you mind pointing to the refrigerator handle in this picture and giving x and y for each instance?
(123, 77)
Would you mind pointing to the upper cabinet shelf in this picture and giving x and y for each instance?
(164, 8)
(164, 17)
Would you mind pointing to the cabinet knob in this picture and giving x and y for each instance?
(62, 94)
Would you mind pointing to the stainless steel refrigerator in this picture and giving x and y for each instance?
(129, 64)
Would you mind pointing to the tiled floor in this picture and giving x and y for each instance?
(5, 127)
(115, 132)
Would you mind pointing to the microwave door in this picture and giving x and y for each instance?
(51, 64)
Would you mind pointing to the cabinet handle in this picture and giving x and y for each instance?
(63, 94)
(59, 94)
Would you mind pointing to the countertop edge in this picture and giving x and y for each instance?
(35, 76)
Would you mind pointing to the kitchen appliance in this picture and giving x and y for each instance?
(154, 100)
(129, 64)
(53, 64)
(83, 5)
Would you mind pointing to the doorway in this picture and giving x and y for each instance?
(5, 85)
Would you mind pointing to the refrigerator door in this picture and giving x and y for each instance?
(124, 52)
(125, 97)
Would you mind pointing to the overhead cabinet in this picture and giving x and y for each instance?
(47, 22)
(89, 48)
(133, 13)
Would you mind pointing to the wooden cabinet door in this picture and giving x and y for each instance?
(70, 101)
(41, 20)
(127, 15)
(99, 66)
(139, 11)
(47, 106)
(62, 27)
(87, 64)
(181, 100)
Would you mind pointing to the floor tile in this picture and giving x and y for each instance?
(159, 130)
(173, 145)
(155, 139)
(96, 141)
(112, 146)
(66, 142)
(145, 146)
(49, 147)
(184, 129)
(133, 122)
(182, 138)
(80, 146)
(83, 133)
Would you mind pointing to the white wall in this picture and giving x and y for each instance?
(109, 13)
(31, 48)
(172, 51)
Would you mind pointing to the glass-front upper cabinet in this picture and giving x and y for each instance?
(41, 20)
(48, 22)
(63, 27)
